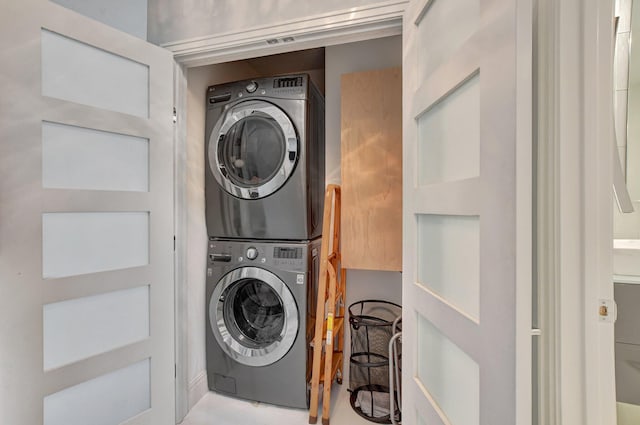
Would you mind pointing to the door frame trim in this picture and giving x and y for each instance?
(181, 247)
(382, 19)
(378, 20)
(571, 295)
(574, 210)
(597, 207)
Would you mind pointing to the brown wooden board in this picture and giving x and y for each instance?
(371, 167)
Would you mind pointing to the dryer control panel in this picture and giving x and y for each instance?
(287, 252)
(279, 83)
(285, 87)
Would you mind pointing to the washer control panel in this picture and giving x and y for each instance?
(286, 256)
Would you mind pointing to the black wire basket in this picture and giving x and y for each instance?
(372, 326)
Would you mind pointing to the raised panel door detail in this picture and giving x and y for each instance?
(449, 136)
(79, 328)
(458, 19)
(78, 243)
(450, 376)
(449, 254)
(106, 400)
(80, 73)
(82, 158)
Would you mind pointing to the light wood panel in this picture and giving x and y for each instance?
(371, 166)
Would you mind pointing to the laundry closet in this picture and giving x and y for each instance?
(103, 204)
(325, 67)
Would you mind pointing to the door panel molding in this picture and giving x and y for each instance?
(23, 201)
(86, 285)
(85, 116)
(499, 340)
(574, 211)
(440, 312)
(95, 366)
(59, 19)
(430, 412)
(461, 197)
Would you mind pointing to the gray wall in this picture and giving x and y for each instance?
(361, 284)
(171, 20)
(341, 59)
(198, 79)
(126, 15)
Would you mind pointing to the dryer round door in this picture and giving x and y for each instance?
(253, 316)
(253, 149)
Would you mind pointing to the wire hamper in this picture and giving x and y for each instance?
(373, 323)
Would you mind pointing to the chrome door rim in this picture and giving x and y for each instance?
(231, 116)
(235, 349)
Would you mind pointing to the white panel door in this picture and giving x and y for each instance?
(86, 222)
(467, 212)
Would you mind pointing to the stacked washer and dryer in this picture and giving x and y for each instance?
(264, 188)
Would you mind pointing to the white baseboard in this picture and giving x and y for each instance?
(198, 387)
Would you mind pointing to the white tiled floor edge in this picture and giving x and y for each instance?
(216, 409)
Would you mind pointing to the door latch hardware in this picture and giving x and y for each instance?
(607, 311)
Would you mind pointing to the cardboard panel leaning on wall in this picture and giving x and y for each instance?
(343, 59)
(372, 170)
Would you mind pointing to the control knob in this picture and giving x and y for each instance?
(252, 253)
(251, 87)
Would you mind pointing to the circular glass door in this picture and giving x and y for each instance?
(253, 316)
(253, 149)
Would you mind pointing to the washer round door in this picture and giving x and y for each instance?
(253, 149)
(253, 316)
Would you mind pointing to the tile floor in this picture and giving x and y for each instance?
(216, 409)
(628, 414)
